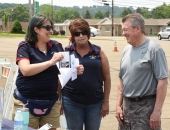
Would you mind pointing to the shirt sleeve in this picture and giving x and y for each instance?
(22, 52)
(59, 47)
(159, 64)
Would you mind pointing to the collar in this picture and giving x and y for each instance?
(73, 47)
(48, 44)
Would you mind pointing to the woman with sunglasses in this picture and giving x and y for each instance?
(83, 100)
(38, 74)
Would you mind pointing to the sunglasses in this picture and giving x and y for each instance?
(47, 27)
(77, 34)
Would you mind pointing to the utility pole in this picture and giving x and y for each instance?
(112, 15)
(30, 9)
(112, 19)
(33, 12)
(52, 10)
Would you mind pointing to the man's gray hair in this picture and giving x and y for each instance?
(135, 19)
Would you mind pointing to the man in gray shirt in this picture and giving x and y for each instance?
(143, 79)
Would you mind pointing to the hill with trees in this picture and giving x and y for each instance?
(60, 14)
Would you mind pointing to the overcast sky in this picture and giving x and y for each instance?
(69, 3)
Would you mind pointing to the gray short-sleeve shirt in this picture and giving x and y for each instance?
(141, 67)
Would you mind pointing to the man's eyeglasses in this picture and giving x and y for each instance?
(47, 27)
(77, 34)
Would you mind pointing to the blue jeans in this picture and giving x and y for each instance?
(78, 114)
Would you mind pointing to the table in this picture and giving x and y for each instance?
(9, 125)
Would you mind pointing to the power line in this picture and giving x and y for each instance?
(135, 3)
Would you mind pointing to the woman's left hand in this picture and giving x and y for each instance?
(80, 69)
(105, 109)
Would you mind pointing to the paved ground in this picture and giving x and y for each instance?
(8, 48)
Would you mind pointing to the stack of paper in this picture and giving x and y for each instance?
(67, 68)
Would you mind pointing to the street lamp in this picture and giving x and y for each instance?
(112, 16)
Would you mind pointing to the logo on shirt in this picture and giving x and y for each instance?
(143, 52)
(92, 57)
(20, 55)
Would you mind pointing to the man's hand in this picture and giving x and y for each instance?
(119, 115)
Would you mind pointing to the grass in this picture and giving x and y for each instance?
(2, 34)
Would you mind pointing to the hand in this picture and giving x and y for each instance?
(80, 69)
(155, 120)
(61, 109)
(56, 57)
(119, 115)
(105, 109)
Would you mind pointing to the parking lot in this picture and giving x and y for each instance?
(8, 48)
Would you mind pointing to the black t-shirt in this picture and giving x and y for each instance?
(45, 84)
(88, 87)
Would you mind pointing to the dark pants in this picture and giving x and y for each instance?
(137, 114)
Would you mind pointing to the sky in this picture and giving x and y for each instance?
(69, 3)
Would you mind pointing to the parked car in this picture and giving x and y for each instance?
(164, 34)
(94, 31)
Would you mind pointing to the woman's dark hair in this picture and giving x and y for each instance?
(36, 21)
(80, 24)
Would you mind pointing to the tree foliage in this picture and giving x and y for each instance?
(99, 15)
(16, 28)
(106, 14)
(87, 15)
(60, 14)
(46, 10)
(21, 13)
(161, 11)
(143, 11)
(5, 20)
(125, 12)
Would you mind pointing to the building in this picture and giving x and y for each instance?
(152, 26)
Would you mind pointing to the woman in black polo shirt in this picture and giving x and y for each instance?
(83, 100)
(37, 80)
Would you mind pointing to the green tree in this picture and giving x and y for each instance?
(99, 15)
(5, 20)
(143, 11)
(87, 15)
(46, 10)
(21, 13)
(61, 15)
(161, 11)
(73, 14)
(126, 12)
(16, 28)
(106, 14)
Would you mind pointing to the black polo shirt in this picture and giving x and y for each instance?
(88, 87)
(45, 84)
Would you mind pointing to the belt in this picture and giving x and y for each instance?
(141, 98)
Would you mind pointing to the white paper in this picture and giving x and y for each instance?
(63, 122)
(46, 127)
(67, 68)
(74, 64)
(65, 75)
(65, 62)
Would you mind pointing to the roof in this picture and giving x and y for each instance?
(156, 21)
(118, 21)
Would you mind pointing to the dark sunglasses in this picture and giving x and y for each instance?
(47, 27)
(77, 34)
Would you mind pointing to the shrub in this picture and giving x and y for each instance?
(16, 27)
(55, 32)
(155, 34)
(62, 32)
